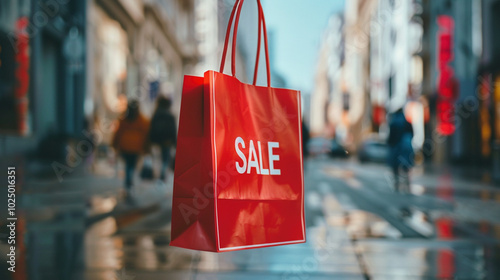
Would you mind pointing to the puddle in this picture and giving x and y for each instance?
(360, 224)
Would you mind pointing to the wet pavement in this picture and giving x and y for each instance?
(357, 228)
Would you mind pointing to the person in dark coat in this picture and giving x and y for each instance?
(400, 148)
(305, 139)
(163, 131)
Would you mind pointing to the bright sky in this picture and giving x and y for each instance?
(298, 26)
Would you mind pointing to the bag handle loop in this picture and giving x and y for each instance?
(261, 25)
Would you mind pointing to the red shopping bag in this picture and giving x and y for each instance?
(238, 180)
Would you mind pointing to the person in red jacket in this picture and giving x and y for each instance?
(130, 140)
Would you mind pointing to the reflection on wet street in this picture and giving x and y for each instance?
(148, 256)
(357, 228)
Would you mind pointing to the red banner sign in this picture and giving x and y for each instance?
(447, 84)
(22, 74)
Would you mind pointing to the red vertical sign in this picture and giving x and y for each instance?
(22, 74)
(447, 84)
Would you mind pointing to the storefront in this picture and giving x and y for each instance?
(14, 68)
(42, 57)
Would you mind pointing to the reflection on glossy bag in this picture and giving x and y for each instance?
(238, 179)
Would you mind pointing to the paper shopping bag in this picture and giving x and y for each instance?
(238, 179)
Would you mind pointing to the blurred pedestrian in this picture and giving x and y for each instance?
(130, 140)
(400, 148)
(305, 139)
(163, 132)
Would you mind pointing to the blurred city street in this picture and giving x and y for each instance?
(357, 228)
(390, 107)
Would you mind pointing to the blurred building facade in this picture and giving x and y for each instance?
(341, 97)
(328, 114)
(355, 83)
(490, 72)
(140, 50)
(439, 59)
(68, 67)
(396, 66)
(42, 81)
(463, 67)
